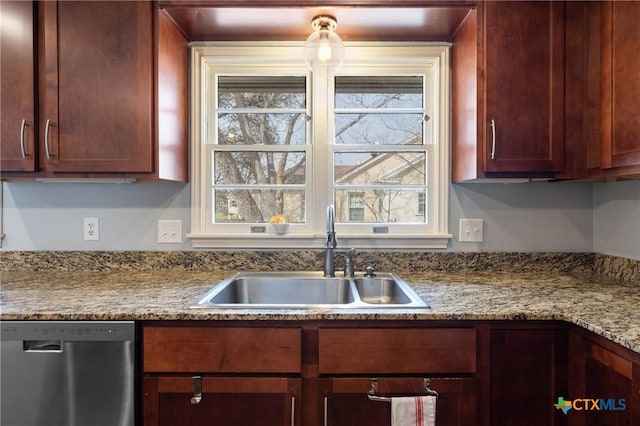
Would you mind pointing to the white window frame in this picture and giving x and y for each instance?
(288, 55)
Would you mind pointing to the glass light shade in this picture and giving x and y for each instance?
(324, 50)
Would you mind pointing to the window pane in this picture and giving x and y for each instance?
(256, 167)
(260, 92)
(261, 128)
(379, 168)
(257, 206)
(378, 92)
(356, 206)
(379, 129)
(382, 206)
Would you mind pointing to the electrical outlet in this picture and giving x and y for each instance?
(91, 229)
(169, 231)
(471, 230)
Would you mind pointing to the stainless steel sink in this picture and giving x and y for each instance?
(309, 290)
(381, 290)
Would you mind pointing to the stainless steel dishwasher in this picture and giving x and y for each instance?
(69, 373)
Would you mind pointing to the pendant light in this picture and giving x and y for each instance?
(324, 49)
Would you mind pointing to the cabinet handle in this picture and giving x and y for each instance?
(22, 126)
(197, 390)
(326, 411)
(293, 411)
(46, 139)
(493, 139)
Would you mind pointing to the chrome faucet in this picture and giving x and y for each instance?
(330, 243)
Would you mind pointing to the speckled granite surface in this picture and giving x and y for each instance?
(290, 260)
(617, 268)
(538, 287)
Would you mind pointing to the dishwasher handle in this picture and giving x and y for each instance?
(42, 345)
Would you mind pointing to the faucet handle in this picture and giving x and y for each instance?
(349, 269)
(370, 271)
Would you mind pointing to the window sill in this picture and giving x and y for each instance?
(298, 241)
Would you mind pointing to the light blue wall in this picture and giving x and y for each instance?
(542, 216)
(617, 219)
(49, 216)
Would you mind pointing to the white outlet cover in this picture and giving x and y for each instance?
(471, 231)
(91, 229)
(169, 231)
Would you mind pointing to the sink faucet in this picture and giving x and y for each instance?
(330, 243)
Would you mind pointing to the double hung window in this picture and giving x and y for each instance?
(272, 140)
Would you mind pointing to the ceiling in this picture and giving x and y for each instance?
(255, 22)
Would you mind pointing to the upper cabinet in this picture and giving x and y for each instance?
(620, 88)
(96, 91)
(508, 91)
(17, 62)
(602, 88)
(101, 93)
(541, 89)
(524, 76)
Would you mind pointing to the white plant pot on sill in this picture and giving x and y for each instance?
(280, 228)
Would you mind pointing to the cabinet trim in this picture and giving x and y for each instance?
(237, 385)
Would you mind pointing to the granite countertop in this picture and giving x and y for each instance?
(606, 307)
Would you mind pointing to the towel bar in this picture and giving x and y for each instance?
(374, 389)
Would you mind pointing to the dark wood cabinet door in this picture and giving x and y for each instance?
(524, 75)
(17, 101)
(226, 401)
(345, 401)
(620, 43)
(610, 381)
(96, 86)
(527, 374)
(598, 373)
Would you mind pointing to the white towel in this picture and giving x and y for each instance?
(413, 411)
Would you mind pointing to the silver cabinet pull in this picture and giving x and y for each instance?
(326, 411)
(493, 139)
(293, 411)
(46, 139)
(197, 390)
(22, 126)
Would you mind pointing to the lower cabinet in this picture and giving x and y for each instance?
(217, 374)
(208, 400)
(321, 373)
(396, 362)
(305, 374)
(345, 400)
(523, 373)
(605, 383)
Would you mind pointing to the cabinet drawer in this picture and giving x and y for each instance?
(396, 351)
(222, 350)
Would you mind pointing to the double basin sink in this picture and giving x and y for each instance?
(309, 290)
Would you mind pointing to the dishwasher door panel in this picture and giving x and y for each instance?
(32, 392)
(70, 383)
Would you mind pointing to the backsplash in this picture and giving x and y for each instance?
(609, 266)
(618, 268)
